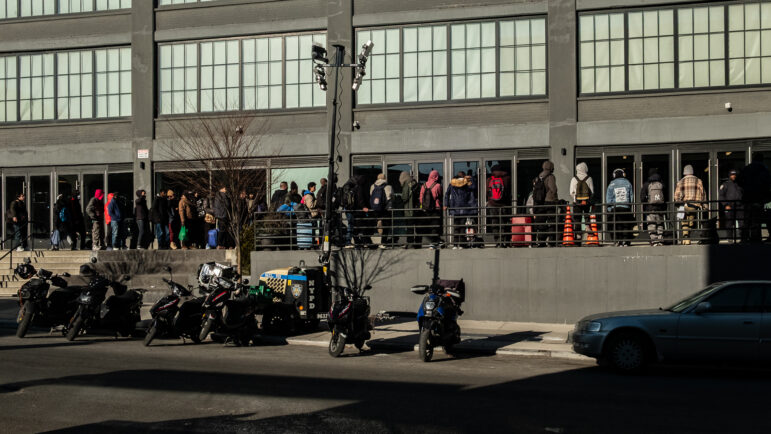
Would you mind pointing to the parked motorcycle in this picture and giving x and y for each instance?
(229, 312)
(119, 314)
(438, 313)
(36, 306)
(349, 320)
(173, 318)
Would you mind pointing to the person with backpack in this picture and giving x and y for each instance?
(62, 223)
(545, 200)
(582, 193)
(95, 213)
(731, 210)
(355, 202)
(431, 207)
(653, 197)
(619, 198)
(689, 192)
(461, 202)
(498, 205)
(380, 203)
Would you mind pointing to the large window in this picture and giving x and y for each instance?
(113, 82)
(36, 87)
(75, 85)
(34, 8)
(179, 2)
(260, 73)
(676, 47)
(460, 61)
(8, 89)
(749, 34)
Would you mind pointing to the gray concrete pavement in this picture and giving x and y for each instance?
(98, 384)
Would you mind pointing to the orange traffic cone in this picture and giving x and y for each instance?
(567, 232)
(593, 237)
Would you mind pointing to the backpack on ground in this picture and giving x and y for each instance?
(378, 199)
(655, 192)
(64, 215)
(349, 196)
(539, 191)
(429, 202)
(583, 192)
(497, 188)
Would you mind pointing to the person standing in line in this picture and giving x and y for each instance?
(108, 221)
(222, 209)
(407, 203)
(277, 199)
(581, 192)
(321, 195)
(461, 202)
(159, 216)
(78, 223)
(755, 182)
(731, 210)
(380, 203)
(431, 207)
(187, 218)
(174, 222)
(116, 222)
(95, 212)
(209, 221)
(498, 205)
(619, 198)
(141, 214)
(62, 223)
(689, 192)
(654, 199)
(545, 198)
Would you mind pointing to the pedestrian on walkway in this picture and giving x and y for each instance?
(460, 201)
(62, 223)
(499, 205)
(277, 199)
(755, 182)
(187, 216)
(405, 203)
(545, 198)
(380, 203)
(174, 221)
(689, 192)
(654, 199)
(582, 193)
(95, 213)
(431, 207)
(222, 210)
(159, 216)
(355, 202)
(141, 215)
(107, 221)
(619, 198)
(731, 209)
(78, 226)
(116, 222)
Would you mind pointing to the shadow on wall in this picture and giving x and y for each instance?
(738, 262)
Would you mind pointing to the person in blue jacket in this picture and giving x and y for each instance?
(116, 222)
(619, 198)
(461, 202)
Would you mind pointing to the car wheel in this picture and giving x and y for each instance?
(626, 354)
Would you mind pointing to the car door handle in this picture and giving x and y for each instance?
(749, 322)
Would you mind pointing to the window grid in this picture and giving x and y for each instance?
(381, 82)
(602, 53)
(220, 80)
(75, 83)
(749, 43)
(10, 9)
(651, 50)
(701, 46)
(425, 63)
(36, 87)
(263, 74)
(301, 88)
(8, 91)
(180, 2)
(522, 57)
(473, 61)
(179, 78)
(113, 82)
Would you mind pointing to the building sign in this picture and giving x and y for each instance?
(143, 154)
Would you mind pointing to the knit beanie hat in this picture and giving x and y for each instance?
(688, 170)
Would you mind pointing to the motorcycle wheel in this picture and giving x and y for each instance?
(150, 334)
(205, 329)
(75, 324)
(336, 344)
(25, 318)
(424, 347)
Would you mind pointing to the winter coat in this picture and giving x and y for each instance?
(95, 209)
(461, 198)
(159, 212)
(617, 189)
(651, 207)
(582, 173)
(173, 209)
(293, 197)
(435, 187)
(107, 217)
(187, 212)
(729, 194)
(114, 211)
(18, 209)
(755, 182)
(389, 191)
(310, 202)
(277, 199)
(62, 226)
(406, 199)
(358, 183)
(140, 208)
(498, 172)
(221, 206)
(550, 182)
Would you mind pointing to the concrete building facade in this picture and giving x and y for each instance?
(90, 93)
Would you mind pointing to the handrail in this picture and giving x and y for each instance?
(13, 248)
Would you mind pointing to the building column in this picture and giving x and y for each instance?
(143, 92)
(340, 32)
(563, 109)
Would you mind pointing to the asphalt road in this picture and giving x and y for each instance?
(100, 384)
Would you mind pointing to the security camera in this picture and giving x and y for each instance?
(729, 107)
(356, 125)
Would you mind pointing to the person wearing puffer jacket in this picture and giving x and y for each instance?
(431, 220)
(380, 204)
(619, 198)
(582, 193)
(461, 202)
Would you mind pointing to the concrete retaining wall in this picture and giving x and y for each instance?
(551, 285)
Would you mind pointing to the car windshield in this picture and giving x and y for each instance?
(688, 301)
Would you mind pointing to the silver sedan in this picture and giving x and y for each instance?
(724, 322)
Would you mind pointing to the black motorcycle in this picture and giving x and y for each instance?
(119, 314)
(349, 320)
(229, 312)
(438, 313)
(173, 318)
(36, 306)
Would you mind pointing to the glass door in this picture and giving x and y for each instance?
(14, 185)
(700, 162)
(40, 211)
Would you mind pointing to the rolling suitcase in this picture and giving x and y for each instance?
(521, 231)
(212, 238)
(304, 235)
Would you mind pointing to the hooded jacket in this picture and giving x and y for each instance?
(460, 197)
(95, 207)
(730, 193)
(649, 207)
(114, 211)
(435, 187)
(186, 210)
(406, 200)
(159, 212)
(140, 207)
(59, 205)
(550, 181)
(389, 191)
(498, 172)
(221, 205)
(582, 173)
(617, 189)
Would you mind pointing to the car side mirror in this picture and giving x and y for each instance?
(419, 289)
(702, 307)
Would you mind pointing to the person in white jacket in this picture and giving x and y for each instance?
(581, 192)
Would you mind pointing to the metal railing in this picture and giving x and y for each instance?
(552, 225)
(12, 239)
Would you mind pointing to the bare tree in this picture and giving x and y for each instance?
(357, 268)
(216, 153)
